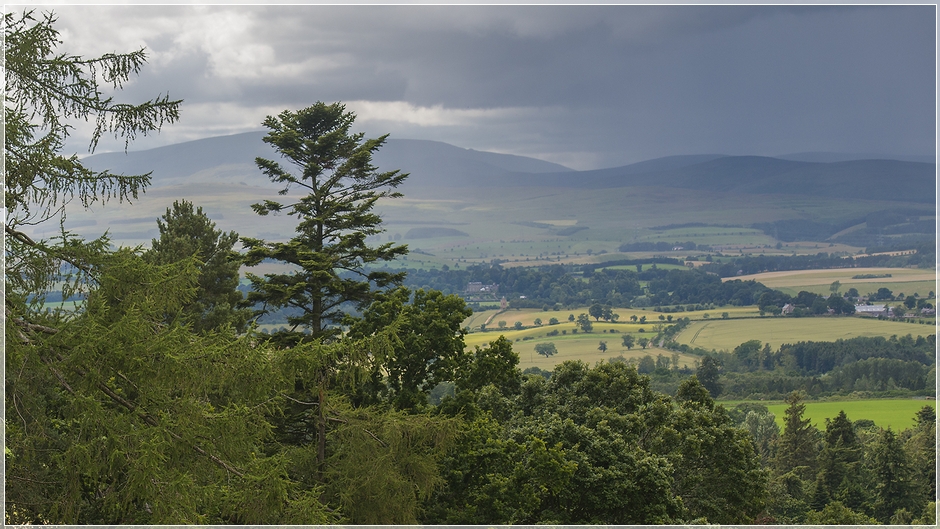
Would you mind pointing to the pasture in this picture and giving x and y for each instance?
(728, 334)
(897, 414)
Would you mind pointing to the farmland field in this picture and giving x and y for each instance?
(728, 334)
(906, 280)
(581, 346)
(897, 414)
(527, 316)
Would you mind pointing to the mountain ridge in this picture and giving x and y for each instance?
(434, 164)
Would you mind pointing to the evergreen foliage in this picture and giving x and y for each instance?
(46, 92)
(123, 418)
(334, 168)
(797, 448)
(184, 233)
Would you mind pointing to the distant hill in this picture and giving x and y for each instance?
(434, 164)
(466, 196)
(430, 163)
(858, 179)
(829, 157)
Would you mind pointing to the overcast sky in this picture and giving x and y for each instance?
(587, 87)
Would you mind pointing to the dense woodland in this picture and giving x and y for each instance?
(156, 401)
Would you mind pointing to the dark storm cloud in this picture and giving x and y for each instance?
(587, 86)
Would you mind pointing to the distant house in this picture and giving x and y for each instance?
(477, 291)
(928, 312)
(477, 287)
(872, 310)
(787, 309)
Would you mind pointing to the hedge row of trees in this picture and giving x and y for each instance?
(558, 285)
(755, 264)
(902, 365)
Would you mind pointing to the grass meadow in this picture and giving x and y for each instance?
(896, 414)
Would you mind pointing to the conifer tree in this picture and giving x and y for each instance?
(797, 448)
(840, 455)
(45, 93)
(891, 469)
(116, 415)
(333, 166)
(184, 233)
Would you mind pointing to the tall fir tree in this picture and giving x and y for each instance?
(839, 456)
(333, 166)
(893, 484)
(186, 232)
(796, 450)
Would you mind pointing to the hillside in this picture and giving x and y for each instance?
(516, 208)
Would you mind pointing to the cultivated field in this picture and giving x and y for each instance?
(581, 346)
(527, 316)
(902, 280)
(728, 334)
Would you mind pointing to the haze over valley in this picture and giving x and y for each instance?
(462, 205)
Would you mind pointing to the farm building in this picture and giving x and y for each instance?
(872, 310)
(477, 291)
(476, 287)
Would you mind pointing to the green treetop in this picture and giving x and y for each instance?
(334, 168)
(185, 233)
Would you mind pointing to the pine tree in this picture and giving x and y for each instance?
(330, 254)
(894, 488)
(796, 450)
(840, 455)
(184, 233)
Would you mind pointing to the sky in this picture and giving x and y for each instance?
(584, 86)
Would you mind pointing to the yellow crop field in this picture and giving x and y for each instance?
(728, 334)
(581, 346)
(527, 316)
(906, 280)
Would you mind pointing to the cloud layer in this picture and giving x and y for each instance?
(587, 87)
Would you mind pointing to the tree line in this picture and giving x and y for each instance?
(756, 264)
(893, 366)
(559, 285)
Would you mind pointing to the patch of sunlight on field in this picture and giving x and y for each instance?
(581, 346)
(728, 334)
(799, 278)
(897, 414)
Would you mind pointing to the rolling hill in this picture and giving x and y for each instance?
(507, 205)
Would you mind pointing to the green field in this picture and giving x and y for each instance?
(728, 334)
(896, 414)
